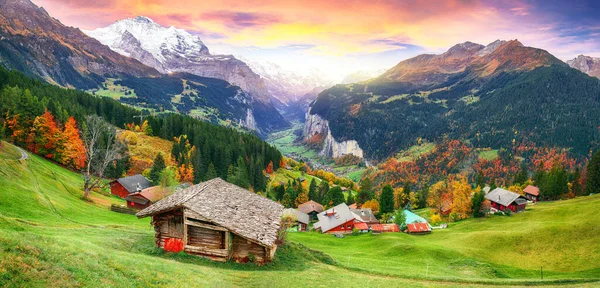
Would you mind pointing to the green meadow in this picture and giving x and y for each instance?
(49, 236)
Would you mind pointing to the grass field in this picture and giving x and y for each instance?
(115, 91)
(488, 154)
(415, 151)
(50, 237)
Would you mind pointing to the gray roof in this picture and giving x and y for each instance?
(365, 215)
(502, 196)
(131, 183)
(341, 216)
(240, 211)
(300, 216)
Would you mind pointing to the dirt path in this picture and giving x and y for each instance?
(24, 155)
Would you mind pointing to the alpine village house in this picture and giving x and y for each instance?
(217, 220)
(123, 187)
(502, 200)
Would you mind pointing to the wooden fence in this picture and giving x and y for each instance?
(122, 209)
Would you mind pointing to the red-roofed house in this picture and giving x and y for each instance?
(141, 200)
(418, 228)
(532, 193)
(361, 226)
(380, 228)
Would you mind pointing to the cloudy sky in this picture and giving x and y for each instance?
(344, 36)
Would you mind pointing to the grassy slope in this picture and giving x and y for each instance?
(50, 237)
(563, 237)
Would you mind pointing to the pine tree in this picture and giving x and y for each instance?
(386, 200)
(290, 192)
(592, 185)
(493, 185)
(480, 179)
(406, 192)
(364, 194)
(280, 192)
(312, 190)
(211, 173)
(521, 177)
(159, 166)
(287, 201)
(335, 196)
(350, 199)
(322, 192)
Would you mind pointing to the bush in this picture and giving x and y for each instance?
(507, 212)
(435, 219)
(355, 231)
(251, 257)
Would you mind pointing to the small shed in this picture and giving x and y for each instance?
(300, 219)
(502, 199)
(217, 220)
(122, 187)
(338, 219)
(418, 228)
(147, 197)
(362, 227)
(381, 228)
(532, 193)
(311, 208)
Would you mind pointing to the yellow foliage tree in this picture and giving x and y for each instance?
(461, 198)
(301, 199)
(373, 204)
(436, 195)
(399, 197)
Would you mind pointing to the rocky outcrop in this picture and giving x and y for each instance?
(586, 64)
(315, 124)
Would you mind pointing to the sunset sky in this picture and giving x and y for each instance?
(344, 36)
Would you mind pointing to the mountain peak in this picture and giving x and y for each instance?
(586, 64)
(464, 47)
(143, 19)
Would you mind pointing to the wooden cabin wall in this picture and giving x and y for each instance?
(242, 247)
(207, 238)
(167, 225)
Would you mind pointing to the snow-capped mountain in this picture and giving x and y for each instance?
(289, 86)
(176, 50)
(586, 64)
(171, 50)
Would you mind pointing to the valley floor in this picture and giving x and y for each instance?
(50, 237)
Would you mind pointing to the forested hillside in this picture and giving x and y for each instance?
(549, 106)
(23, 99)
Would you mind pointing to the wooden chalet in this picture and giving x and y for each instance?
(502, 200)
(311, 208)
(532, 193)
(122, 187)
(217, 220)
(418, 228)
(338, 219)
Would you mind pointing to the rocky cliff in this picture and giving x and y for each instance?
(316, 125)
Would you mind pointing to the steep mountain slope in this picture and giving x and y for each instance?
(172, 50)
(39, 45)
(586, 64)
(498, 95)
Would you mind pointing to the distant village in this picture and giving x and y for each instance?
(221, 221)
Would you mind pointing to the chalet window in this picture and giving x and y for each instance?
(349, 226)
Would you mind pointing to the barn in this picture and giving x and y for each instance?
(122, 187)
(418, 228)
(147, 197)
(502, 199)
(381, 228)
(217, 220)
(338, 219)
(532, 193)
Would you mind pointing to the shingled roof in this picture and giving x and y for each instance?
(532, 190)
(240, 211)
(365, 215)
(131, 183)
(310, 206)
(502, 196)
